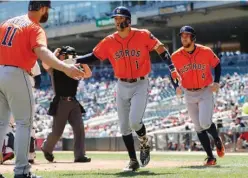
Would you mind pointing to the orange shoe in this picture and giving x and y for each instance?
(8, 156)
(220, 148)
(210, 161)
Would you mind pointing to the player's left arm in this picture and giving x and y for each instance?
(215, 63)
(217, 73)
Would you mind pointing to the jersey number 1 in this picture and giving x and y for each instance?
(8, 37)
(137, 64)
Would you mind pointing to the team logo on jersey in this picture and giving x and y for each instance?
(126, 53)
(192, 66)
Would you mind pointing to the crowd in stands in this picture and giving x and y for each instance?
(98, 97)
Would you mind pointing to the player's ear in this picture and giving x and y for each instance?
(47, 9)
(43, 10)
(128, 21)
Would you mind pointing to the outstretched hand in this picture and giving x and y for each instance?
(215, 87)
(175, 76)
(73, 71)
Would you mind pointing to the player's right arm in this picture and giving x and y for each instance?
(47, 57)
(154, 44)
(99, 53)
(47, 67)
(38, 44)
(215, 63)
(176, 83)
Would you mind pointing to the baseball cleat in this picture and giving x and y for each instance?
(49, 156)
(31, 161)
(210, 161)
(31, 157)
(8, 156)
(1, 176)
(220, 148)
(132, 166)
(83, 159)
(144, 152)
(29, 175)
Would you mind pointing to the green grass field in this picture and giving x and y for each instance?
(231, 166)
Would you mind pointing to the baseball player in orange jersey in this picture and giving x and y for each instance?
(128, 51)
(194, 63)
(22, 41)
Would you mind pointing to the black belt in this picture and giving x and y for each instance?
(68, 98)
(195, 89)
(132, 80)
(10, 66)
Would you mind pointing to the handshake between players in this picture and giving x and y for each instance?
(67, 55)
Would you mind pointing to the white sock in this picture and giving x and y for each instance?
(31, 156)
(8, 150)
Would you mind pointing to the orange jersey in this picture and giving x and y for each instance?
(130, 57)
(18, 37)
(195, 69)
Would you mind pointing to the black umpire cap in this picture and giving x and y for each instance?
(37, 5)
(68, 50)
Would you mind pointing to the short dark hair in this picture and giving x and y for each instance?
(37, 5)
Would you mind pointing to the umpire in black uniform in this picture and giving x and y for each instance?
(65, 107)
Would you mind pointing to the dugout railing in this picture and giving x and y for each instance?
(186, 140)
(160, 141)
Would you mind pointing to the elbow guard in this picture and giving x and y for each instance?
(165, 56)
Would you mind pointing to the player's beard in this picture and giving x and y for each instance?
(121, 29)
(44, 18)
(188, 45)
(118, 28)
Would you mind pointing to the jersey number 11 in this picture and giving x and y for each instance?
(8, 38)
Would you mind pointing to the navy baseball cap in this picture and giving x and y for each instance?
(122, 12)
